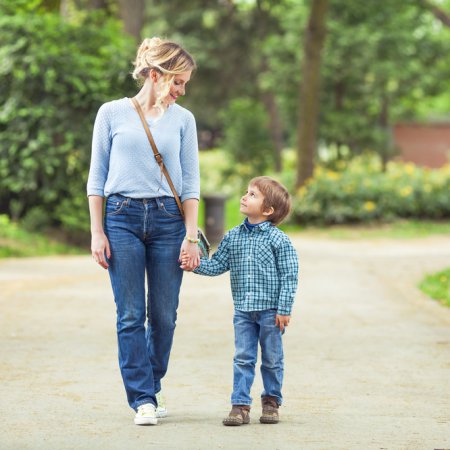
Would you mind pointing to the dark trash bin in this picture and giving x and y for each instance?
(214, 217)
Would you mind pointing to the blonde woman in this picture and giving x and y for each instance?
(142, 233)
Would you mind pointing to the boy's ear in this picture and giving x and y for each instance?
(268, 211)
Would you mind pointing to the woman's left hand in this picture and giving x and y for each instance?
(193, 252)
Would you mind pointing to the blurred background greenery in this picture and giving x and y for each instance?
(259, 105)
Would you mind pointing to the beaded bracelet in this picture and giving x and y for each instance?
(192, 240)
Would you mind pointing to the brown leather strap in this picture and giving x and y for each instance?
(157, 155)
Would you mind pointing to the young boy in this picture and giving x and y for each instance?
(264, 272)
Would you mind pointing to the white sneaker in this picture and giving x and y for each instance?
(146, 415)
(161, 410)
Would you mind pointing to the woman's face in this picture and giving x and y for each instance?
(178, 87)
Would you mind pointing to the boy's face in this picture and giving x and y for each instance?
(252, 205)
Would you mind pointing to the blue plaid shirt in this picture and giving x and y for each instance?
(263, 267)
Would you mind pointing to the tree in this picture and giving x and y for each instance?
(132, 12)
(309, 96)
(380, 65)
(55, 74)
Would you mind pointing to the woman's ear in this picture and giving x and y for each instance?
(154, 75)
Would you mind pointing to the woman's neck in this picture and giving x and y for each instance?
(147, 99)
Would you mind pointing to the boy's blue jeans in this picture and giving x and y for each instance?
(145, 237)
(249, 329)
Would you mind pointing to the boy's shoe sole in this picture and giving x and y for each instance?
(231, 422)
(269, 420)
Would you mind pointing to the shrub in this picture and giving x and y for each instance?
(360, 192)
(54, 75)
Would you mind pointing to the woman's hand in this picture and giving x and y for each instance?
(189, 255)
(100, 247)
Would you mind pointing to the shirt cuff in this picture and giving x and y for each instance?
(98, 192)
(189, 195)
(284, 310)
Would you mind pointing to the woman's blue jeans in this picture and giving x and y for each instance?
(251, 327)
(145, 237)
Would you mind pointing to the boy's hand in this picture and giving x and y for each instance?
(185, 261)
(282, 321)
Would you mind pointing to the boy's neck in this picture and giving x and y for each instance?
(256, 220)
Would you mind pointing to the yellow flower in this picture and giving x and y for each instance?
(369, 206)
(333, 175)
(409, 168)
(406, 191)
(302, 191)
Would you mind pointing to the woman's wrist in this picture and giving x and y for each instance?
(191, 239)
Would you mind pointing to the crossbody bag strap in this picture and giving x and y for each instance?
(157, 155)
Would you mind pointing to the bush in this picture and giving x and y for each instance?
(54, 75)
(360, 192)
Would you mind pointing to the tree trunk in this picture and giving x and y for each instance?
(439, 13)
(132, 12)
(309, 91)
(276, 129)
(384, 124)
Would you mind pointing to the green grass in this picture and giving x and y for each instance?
(15, 242)
(437, 286)
(401, 229)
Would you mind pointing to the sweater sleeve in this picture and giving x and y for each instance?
(287, 264)
(101, 147)
(189, 160)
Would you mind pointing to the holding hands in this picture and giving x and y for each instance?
(189, 256)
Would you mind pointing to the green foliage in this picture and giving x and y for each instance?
(15, 241)
(54, 75)
(246, 136)
(361, 192)
(379, 63)
(437, 286)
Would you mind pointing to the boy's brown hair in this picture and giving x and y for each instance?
(276, 196)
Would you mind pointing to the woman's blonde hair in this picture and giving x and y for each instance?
(166, 57)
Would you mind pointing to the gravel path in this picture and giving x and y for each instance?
(367, 357)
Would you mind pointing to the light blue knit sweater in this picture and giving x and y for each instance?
(122, 160)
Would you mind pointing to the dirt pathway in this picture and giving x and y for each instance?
(367, 357)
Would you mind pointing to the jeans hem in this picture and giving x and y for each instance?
(243, 402)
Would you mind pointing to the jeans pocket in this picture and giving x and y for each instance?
(115, 205)
(169, 208)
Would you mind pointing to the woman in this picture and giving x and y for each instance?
(144, 233)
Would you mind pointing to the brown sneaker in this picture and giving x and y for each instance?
(269, 410)
(239, 415)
